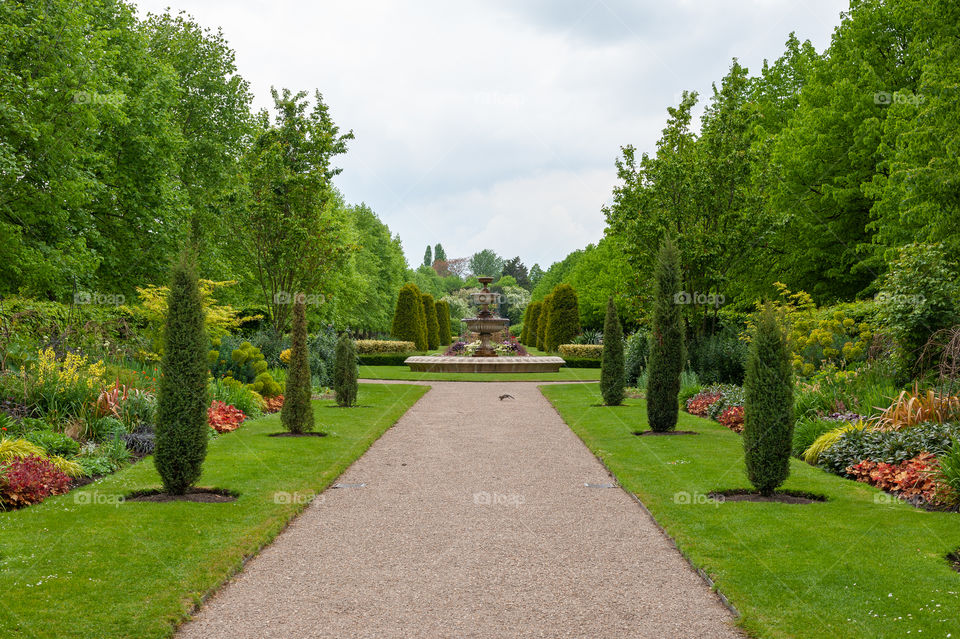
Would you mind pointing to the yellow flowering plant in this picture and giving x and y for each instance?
(67, 386)
(828, 339)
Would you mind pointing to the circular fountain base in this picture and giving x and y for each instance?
(434, 364)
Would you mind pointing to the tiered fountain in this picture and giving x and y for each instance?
(486, 323)
(485, 359)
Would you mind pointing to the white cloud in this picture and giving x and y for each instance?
(507, 113)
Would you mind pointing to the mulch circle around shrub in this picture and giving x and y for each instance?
(198, 495)
(654, 433)
(954, 559)
(315, 433)
(780, 496)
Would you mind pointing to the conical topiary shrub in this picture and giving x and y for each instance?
(430, 313)
(666, 343)
(768, 405)
(409, 321)
(543, 321)
(530, 319)
(611, 360)
(297, 413)
(563, 324)
(182, 402)
(345, 371)
(443, 322)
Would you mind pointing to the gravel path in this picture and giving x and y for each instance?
(474, 521)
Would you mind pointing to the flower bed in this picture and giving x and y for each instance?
(507, 347)
(722, 403)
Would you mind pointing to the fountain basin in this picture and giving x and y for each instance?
(501, 364)
(486, 324)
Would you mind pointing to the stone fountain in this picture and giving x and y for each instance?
(486, 323)
(485, 359)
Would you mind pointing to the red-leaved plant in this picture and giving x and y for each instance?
(732, 418)
(224, 417)
(30, 480)
(700, 403)
(912, 479)
(272, 404)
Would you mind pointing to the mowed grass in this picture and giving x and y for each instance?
(82, 565)
(404, 373)
(858, 565)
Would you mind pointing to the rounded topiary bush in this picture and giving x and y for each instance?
(182, 401)
(563, 324)
(409, 320)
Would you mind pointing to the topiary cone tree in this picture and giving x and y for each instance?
(297, 413)
(443, 321)
(409, 322)
(528, 336)
(345, 371)
(611, 360)
(666, 343)
(564, 322)
(182, 402)
(542, 322)
(430, 313)
(768, 405)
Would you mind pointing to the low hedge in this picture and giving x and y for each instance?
(367, 346)
(581, 362)
(383, 359)
(582, 351)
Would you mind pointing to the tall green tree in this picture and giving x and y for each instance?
(88, 142)
(535, 274)
(768, 405)
(439, 255)
(428, 257)
(486, 263)
(516, 269)
(666, 343)
(212, 112)
(181, 437)
(294, 239)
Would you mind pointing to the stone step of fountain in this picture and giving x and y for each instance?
(442, 364)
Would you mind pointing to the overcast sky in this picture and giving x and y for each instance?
(496, 124)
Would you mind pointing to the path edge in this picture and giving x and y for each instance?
(227, 578)
(700, 572)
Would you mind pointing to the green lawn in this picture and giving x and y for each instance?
(80, 565)
(855, 566)
(404, 373)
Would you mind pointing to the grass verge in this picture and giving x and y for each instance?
(859, 565)
(404, 373)
(87, 564)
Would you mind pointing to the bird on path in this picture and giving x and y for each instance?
(505, 396)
